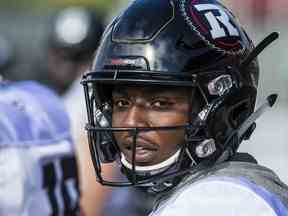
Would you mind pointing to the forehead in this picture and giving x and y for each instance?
(150, 90)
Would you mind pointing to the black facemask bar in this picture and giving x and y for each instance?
(167, 175)
(133, 178)
(95, 130)
(96, 146)
(165, 79)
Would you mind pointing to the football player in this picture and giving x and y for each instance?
(73, 35)
(170, 97)
(37, 162)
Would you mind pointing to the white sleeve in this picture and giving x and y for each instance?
(76, 109)
(219, 198)
(11, 182)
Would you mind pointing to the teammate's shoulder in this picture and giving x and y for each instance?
(28, 86)
(31, 114)
(34, 87)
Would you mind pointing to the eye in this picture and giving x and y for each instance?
(162, 104)
(120, 103)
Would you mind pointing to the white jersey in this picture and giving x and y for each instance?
(37, 163)
(224, 195)
(74, 102)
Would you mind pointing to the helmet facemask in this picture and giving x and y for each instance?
(199, 142)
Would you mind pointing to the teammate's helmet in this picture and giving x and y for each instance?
(76, 31)
(193, 43)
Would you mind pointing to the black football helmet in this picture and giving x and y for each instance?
(73, 35)
(193, 43)
(76, 32)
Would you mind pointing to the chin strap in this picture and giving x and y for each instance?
(246, 125)
(245, 130)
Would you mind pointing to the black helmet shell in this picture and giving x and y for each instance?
(187, 43)
(186, 35)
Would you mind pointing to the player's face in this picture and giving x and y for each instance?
(139, 106)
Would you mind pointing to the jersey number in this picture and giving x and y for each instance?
(60, 182)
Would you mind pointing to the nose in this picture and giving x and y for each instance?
(136, 117)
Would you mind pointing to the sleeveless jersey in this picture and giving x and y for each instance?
(230, 188)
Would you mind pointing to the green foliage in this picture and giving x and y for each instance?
(46, 4)
(103, 4)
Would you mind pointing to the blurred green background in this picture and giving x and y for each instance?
(25, 23)
(50, 4)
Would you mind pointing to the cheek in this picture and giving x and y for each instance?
(118, 119)
(168, 119)
(171, 139)
(169, 142)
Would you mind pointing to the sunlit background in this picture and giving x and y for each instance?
(269, 143)
(24, 22)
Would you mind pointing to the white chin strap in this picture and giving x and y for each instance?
(153, 169)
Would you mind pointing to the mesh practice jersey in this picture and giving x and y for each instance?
(229, 189)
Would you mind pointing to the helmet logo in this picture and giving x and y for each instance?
(214, 24)
(127, 62)
(215, 20)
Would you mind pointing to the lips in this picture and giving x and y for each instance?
(140, 144)
(145, 150)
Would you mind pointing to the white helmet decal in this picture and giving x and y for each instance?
(214, 25)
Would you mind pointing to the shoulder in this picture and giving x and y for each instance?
(31, 114)
(221, 196)
(34, 90)
(27, 91)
